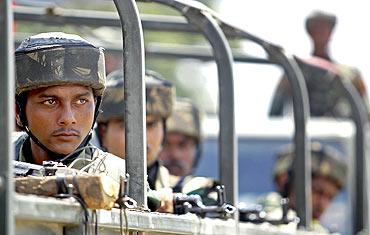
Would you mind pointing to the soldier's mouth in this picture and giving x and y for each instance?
(66, 133)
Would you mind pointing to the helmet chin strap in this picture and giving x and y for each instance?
(52, 154)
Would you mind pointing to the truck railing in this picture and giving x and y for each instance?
(357, 165)
(200, 16)
(38, 215)
(6, 117)
(134, 104)
(302, 164)
(360, 203)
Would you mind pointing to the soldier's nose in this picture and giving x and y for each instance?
(67, 116)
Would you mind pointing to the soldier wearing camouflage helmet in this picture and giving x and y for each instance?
(181, 150)
(159, 102)
(60, 79)
(329, 173)
(324, 99)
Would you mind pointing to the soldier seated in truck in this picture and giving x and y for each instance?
(329, 172)
(182, 151)
(60, 80)
(111, 127)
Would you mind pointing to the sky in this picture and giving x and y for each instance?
(282, 22)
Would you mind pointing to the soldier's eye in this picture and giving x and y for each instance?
(49, 102)
(82, 101)
(151, 124)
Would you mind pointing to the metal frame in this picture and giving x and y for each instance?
(6, 117)
(360, 204)
(199, 15)
(302, 164)
(134, 92)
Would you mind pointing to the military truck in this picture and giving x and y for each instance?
(37, 215)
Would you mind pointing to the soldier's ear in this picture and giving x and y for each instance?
(17, 116)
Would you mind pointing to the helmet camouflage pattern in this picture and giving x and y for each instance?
(56, 58)
(159, 96)
(320, 17)
(185, 119)
(326, 161)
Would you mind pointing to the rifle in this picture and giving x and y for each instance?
(256, 214)
(48, 168)
(193, 204)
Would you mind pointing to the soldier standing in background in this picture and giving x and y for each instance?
(60, 80)
(319, 26)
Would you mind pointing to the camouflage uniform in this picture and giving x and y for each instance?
(159, 101)
(326, 161)
(326, 97)
(51, 59)
(325, 93)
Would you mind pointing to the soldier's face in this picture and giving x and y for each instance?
(320, 32)
(323, 192)
(60, 116)
(113, 137)
(154, 135)
(178, 154)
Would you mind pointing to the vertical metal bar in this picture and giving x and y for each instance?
(228, 159)
(302, 163)
(6, 117)
(209, 27)
(359, 182)
(134, 91)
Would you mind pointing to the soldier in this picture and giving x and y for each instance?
(181, 150)
(319, 26)
(110, 129)
(329, 172)
(60, 80)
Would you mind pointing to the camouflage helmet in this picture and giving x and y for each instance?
(113, 99)
(56, 58)
(326, 161)
(185, 119)
(159, 96)
(320, 16)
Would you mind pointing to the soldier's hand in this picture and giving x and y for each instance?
(166, 197)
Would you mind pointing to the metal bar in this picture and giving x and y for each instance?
(57, 16)
(302, 163)
(222, 53)
(134, 92)
(200, 53)
(159, 50)
(6, 117)
(359, 116)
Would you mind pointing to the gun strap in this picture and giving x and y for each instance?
(62, 185)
